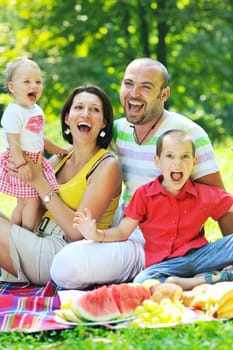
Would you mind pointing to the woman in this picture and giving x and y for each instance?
(88, 176)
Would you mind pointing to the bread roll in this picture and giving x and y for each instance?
(167, 290)
(196, 297)
(202, 288)
(188, 297)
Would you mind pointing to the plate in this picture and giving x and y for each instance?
(92, 323)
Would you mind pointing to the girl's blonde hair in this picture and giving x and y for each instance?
(14, 65)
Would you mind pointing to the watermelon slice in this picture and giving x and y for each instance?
(109, 302)
(128, 296)
(96, 305)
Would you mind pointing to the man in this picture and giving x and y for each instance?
(144, 90)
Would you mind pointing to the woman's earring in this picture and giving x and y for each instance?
(67, 131)
(102, 133)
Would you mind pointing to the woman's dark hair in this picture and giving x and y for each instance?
(102, 142)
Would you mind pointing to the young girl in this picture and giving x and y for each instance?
(23, 123)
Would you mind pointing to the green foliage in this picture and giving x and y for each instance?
(80, 41)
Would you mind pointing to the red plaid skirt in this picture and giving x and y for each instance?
(13, 186)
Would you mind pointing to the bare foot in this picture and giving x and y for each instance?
(187, 283)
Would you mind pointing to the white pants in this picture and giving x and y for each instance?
(82, 264)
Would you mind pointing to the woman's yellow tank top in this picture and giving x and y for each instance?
(72, 191)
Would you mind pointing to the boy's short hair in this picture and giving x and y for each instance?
(180, 135)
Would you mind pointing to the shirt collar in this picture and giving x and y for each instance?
(156, 188)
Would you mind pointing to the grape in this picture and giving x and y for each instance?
(67, 304)
(151, 313)
(139, 310)
(150, 305)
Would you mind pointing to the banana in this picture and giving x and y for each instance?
(225, 310)
(228, 313)
(67, 315)
(220, 300)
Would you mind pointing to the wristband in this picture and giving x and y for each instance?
(20, 165)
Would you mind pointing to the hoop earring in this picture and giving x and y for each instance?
(102, 133)
(67, 131)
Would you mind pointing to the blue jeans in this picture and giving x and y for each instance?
(213, 256)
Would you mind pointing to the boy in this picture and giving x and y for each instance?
(171, 212)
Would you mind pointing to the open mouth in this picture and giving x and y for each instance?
(135, 106)
(32, 96)
(84, 127)
(176, 176)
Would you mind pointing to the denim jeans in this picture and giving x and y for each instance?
(213, 256)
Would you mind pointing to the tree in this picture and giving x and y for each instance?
(93, 41)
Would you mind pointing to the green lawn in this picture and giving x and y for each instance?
(204, 336)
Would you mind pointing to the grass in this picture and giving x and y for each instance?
(202, 335)
(205, 336)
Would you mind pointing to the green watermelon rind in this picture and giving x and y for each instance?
(81, 305)
(78, 305)
(83, 317)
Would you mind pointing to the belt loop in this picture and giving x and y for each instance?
(43, 224)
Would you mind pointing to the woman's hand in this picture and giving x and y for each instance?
(24, 172)
(29, 172)
(36, 170)
(86, 225)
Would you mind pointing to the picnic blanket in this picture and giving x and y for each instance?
(29, 308)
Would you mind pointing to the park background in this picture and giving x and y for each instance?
(79, 41)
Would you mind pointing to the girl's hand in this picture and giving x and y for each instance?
(59, 151)
(51, 147)
(85, 224)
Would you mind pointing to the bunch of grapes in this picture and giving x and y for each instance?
(151, 313)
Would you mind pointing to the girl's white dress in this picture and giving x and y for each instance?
(29, 124)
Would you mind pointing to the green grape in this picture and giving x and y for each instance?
(150, 305)
(166, 302)
(166, 316)
(146, 316)
(155, 320)
(139, 310)
(137, 323)
(151, 313)
(155, 313)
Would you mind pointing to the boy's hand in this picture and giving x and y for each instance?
(85, 224)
